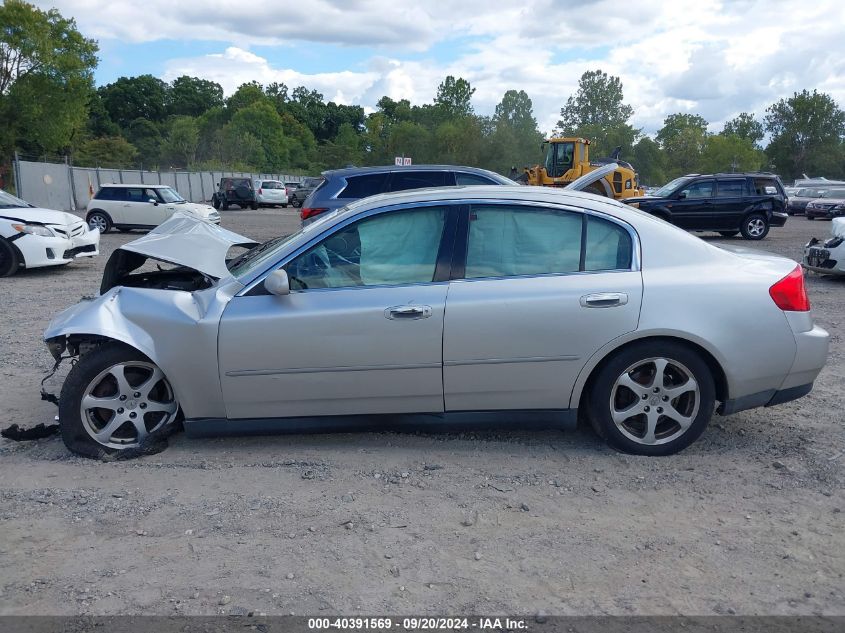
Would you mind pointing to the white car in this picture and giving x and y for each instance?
(33, 238)
(127, 207)
(828, 257)
(269, 193)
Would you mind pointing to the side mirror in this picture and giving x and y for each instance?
(277, 283)
(153, 201)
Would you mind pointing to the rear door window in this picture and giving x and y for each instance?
(462, 178)
(404, 180)
(110, 193)
(364, 186)
(730, 188)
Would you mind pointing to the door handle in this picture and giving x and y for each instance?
(604, 300)
(407, 312)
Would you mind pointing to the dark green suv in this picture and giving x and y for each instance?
(237, 191)
(726, 203)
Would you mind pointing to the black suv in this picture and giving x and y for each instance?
(725, 203)
(237, 191)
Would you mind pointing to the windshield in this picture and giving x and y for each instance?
(832, 193)
(668, 188)
(260, 257)
(170, 195)
(8, 201)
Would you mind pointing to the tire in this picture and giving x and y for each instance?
(94, 376)
(296, 202)
(754, 227)
(254, 206)
(627, 383)
(728, 233)
(215, 202)
(99, 220)
(224, 205)
(9, 261)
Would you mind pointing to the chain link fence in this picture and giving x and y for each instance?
(65, 187)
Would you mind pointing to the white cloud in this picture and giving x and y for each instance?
(712, 57)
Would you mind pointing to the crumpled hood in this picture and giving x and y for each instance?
(40, 216)
(837, 227)
(185, 240)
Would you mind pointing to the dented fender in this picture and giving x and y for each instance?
(185, 341)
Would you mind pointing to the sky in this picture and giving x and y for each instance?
(712, 58)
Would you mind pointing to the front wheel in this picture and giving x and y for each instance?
(755, 227)
(9, 263)
(114, 399)
(652, 398)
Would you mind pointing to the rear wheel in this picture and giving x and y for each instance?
(224, 205)
(114, 399)
(100, 221)
(215, 202)
(755, 227)
(652, 398)
(728, 233)
(254, 206)
(296, 202)
(9, 262)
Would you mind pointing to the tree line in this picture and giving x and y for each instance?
(49, 104)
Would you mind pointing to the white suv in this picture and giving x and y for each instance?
(127, 207)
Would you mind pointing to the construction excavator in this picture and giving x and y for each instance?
(568, 158)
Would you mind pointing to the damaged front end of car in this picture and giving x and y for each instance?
(162, 295)
(827, 257)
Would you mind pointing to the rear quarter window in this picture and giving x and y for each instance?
(404, 180)
(363, 186)
(472, 179)
(109, 193)
(765, 187)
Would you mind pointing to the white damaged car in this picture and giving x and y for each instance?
(33, 238)
(827, 257)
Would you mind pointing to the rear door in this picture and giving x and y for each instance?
(541, 290)
(729, 203)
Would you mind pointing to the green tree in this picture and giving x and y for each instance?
(109, 151)
(648, 161)
(513, 138)
(192, 96)
(146, 137)
(46, 79)
(131, 98)
(454, 97)
(597, 111)
(246, 95)
(263, 122)
(682, 138)
(745, 126)
(730, 153)
(343, 150)
(807, 132)
(180, 146)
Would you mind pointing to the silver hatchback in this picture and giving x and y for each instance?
(451, 302)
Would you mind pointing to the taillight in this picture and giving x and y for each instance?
(310, 212)
(260, 193)
(789, 293)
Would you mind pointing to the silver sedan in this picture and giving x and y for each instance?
(514, 303)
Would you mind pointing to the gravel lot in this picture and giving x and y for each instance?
(747, 520)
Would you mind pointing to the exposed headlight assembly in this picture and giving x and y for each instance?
(833, 242)
(34, 229)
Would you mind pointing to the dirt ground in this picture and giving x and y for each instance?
(747, 520)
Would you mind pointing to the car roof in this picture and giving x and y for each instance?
(350, 171)
(137, 184)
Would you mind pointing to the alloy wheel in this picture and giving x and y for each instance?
(123, 404)
(756, 227)
(654, 401)
(98, 222)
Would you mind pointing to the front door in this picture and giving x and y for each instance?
(694, 207)
(543, 290)
(360, 333)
